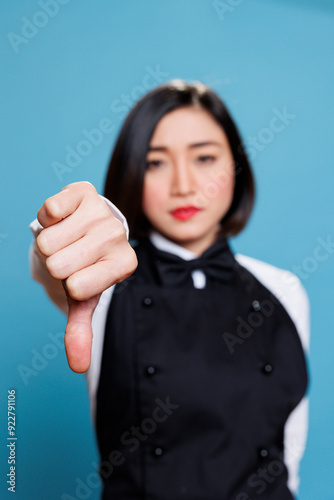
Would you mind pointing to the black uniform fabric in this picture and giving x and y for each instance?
(196, 384)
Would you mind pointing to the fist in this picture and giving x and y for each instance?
(86, 247)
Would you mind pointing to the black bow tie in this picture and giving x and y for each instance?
(217, 263)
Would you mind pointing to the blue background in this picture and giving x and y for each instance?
(258, 55)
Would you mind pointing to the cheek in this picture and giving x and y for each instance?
(152, 196)
(227, 183)
(220, 186)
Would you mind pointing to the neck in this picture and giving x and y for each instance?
(184, 251)
(198, 247)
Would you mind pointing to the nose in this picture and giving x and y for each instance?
(183, 182)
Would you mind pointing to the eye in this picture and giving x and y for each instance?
(206, 159)
(153, 164)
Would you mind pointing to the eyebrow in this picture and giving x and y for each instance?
(191, 146)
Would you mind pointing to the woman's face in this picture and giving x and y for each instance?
(189, 182)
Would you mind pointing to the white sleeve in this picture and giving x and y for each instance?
(295, 431)
(289, 290)
(295, 435)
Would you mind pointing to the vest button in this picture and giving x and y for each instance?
(263, 452)
(147, 301)
(158, 452)
(150, 370)
(256, 305)
(267, 368)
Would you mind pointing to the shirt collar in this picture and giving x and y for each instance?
(162, 243)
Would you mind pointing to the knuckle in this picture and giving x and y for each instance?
(96, 209)
(118, 232)
(105, 234)
(127, 265)
(87, 185)
(75, 288)
(80, 185)
(104, 212)
(86, 188)
(42, 243)
(53, 267)
(133, 261)
(51, 208)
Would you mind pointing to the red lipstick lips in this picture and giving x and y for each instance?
(185, 213)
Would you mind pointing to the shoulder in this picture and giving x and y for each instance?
(287, 287)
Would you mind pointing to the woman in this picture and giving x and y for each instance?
(198, 375)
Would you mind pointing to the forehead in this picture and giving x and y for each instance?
(186, 126)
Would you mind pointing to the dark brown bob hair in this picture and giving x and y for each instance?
(125, 176)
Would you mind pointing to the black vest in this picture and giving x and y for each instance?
(195, 388)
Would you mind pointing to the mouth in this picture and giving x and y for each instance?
(185, 213)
